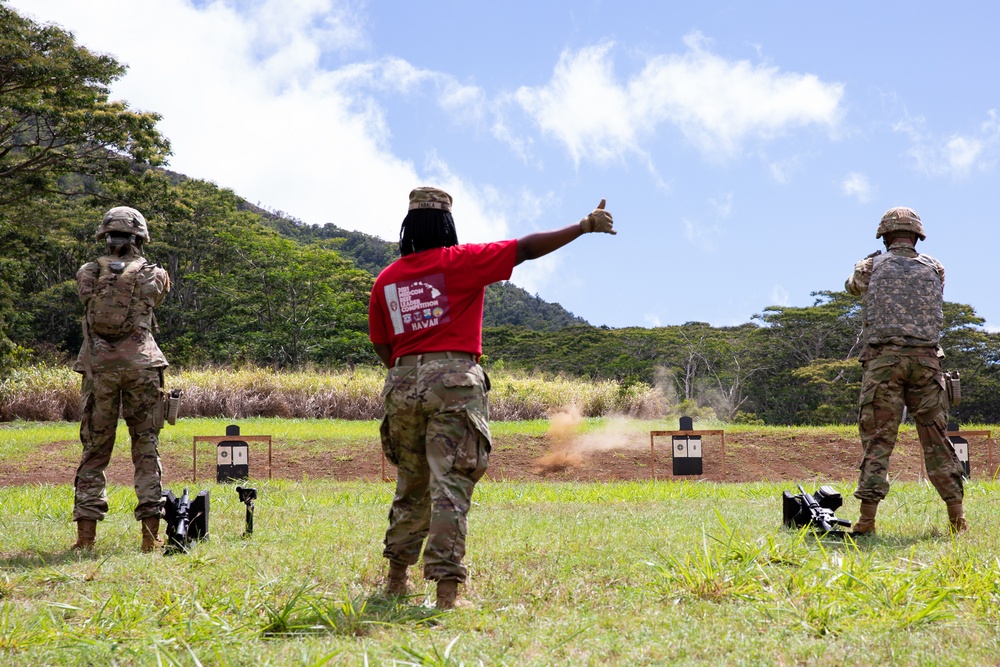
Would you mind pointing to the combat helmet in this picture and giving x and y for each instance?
(901, 219)
(124, 219)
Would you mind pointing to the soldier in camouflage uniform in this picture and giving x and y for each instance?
(122, 368)
(902, 317)
(425, 322)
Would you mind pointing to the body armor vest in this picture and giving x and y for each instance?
(904, 302)
(114, 309)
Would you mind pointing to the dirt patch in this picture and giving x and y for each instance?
(613, 454)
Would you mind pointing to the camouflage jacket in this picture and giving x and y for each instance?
(138, 349)
(877, 342)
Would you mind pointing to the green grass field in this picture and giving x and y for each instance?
(561, 574)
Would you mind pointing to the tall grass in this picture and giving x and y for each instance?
(45, 393)
(256, 392)
(40, 393)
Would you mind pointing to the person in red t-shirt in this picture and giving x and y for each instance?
(425, 321)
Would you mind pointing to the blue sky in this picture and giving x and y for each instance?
(746, 150)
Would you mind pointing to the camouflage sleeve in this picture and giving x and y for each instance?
(155, 284)
(86, 281)
(857, 284)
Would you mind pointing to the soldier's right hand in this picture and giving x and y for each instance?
(599, 220)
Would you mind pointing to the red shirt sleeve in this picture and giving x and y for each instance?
(486, 263)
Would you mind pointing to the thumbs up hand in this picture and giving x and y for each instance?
(599, 220)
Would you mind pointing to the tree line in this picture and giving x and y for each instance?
(257, 287)
(789, 365)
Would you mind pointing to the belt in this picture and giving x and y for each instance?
(889, 350)
(418, 359)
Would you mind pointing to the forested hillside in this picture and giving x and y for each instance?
(240, 292)
(258, 288)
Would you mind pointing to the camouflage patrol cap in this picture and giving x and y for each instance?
(123, 219)
(428, 197)
(901, 219)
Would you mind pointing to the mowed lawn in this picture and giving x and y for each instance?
(561, 574)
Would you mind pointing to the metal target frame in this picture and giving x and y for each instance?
(701, 432)
(223, 438)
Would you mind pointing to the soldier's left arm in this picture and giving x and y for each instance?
(857, 283)
(155, 284)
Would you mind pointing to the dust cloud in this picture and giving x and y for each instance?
(569, 446)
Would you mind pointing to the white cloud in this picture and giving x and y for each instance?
(584, 107)
(962, 153)
(394, 75)
(856, 185)
(718, 104)
(701, 235)
(781, 170)
(956, 155)
(652, 320)
(463, 102)
(533, 276)
(723, 206)
(779, 296)
(477, 210)
(531, 208)
(247, 102)
(521, 146)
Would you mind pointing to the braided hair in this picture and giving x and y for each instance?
(426, 228)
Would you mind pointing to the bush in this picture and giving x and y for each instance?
(748, 418)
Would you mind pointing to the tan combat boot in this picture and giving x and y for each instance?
(86, 534)
(150, 529)
(395, 584)
(447, 594)
(866, 524)
(956, 518)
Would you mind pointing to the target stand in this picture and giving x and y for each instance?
(233, 439)
(686, 449)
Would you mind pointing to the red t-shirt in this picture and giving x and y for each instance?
(432, 301)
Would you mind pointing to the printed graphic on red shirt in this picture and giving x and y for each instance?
(417, 304)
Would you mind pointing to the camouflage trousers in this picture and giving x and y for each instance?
(136, 394)
(436, 433)
(917, 382)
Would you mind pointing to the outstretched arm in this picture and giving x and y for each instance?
(857, 283)
(537, 245)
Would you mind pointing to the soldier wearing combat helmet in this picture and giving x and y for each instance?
(902, 304)
(122, 368)
(425, 321)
